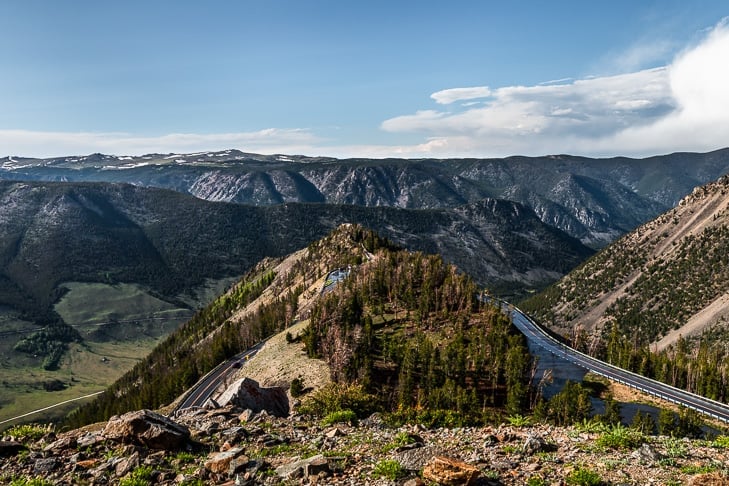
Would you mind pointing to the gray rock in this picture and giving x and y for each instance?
(646, 453)
(416, 459)
(248, 394)
(147, 428)
(125, 465)
(89, 439)
(45, 465)
(312, 466)
(61, 444)
(533, 444)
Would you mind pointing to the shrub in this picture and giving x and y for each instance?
(141, 476)
(519, 420)
(296, 388)
(429, 418)
(583, 477)
(536, 481)
(721, 442)
(337, 397)
(388, 468)
(619, 437)
(29, 432)
(340, 417)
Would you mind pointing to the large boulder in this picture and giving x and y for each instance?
(220, 462)
(147, 428)
(248, 394)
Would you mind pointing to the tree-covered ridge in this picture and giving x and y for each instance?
(650, 283)
(653, 280)
(262, 303)
(411, 329)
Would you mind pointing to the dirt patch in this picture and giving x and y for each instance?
(715, 312)
(279, 362)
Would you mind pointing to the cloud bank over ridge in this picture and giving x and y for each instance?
(679, 107)
(673, 108)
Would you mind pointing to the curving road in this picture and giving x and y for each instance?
(204, 388)
(539, 336)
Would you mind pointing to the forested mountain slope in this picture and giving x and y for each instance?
(668, 278)
(171, 243)
(405, 327)
(595, 200)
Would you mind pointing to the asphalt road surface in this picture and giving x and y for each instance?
(540, 337)
(203, 389)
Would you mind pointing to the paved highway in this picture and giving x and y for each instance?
(539, 336)
(204, 388)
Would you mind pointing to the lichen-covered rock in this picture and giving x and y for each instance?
(448, 471)
(147, 428)
(709, 479)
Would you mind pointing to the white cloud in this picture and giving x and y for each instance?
(682, 106)
(448, 96)
(50, 144)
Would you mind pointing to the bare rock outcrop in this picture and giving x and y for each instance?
(248, 394)
(147, 428)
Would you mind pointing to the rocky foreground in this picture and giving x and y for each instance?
(230, 446)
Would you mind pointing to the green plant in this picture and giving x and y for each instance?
(388, 468)
(620, 437)
(721, 442)
(29, 432)
(37, 481)
(591, 426)
(184, 457)
(296, 388)
(509, 448)
(582, 476)
(340, 417)
(519, 420)
(675, 447)
(194, 482)
(336, 397)
(699, 469)
(492, 475)
(401, 439)
(536, 481)
(141, 476)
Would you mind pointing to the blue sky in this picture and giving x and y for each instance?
(370, 79)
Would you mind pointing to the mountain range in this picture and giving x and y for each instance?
(594, 200)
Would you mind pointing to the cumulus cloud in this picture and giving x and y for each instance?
(448, 96)
(677, 107)
(50, 144)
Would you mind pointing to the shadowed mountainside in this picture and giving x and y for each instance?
(595, 200)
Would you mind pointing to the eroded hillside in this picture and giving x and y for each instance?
(667, 278)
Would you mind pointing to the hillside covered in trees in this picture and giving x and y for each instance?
(403, 326)
(655, 301)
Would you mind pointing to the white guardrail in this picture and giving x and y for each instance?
(650, 386)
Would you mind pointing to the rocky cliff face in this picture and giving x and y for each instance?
(594, 200)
